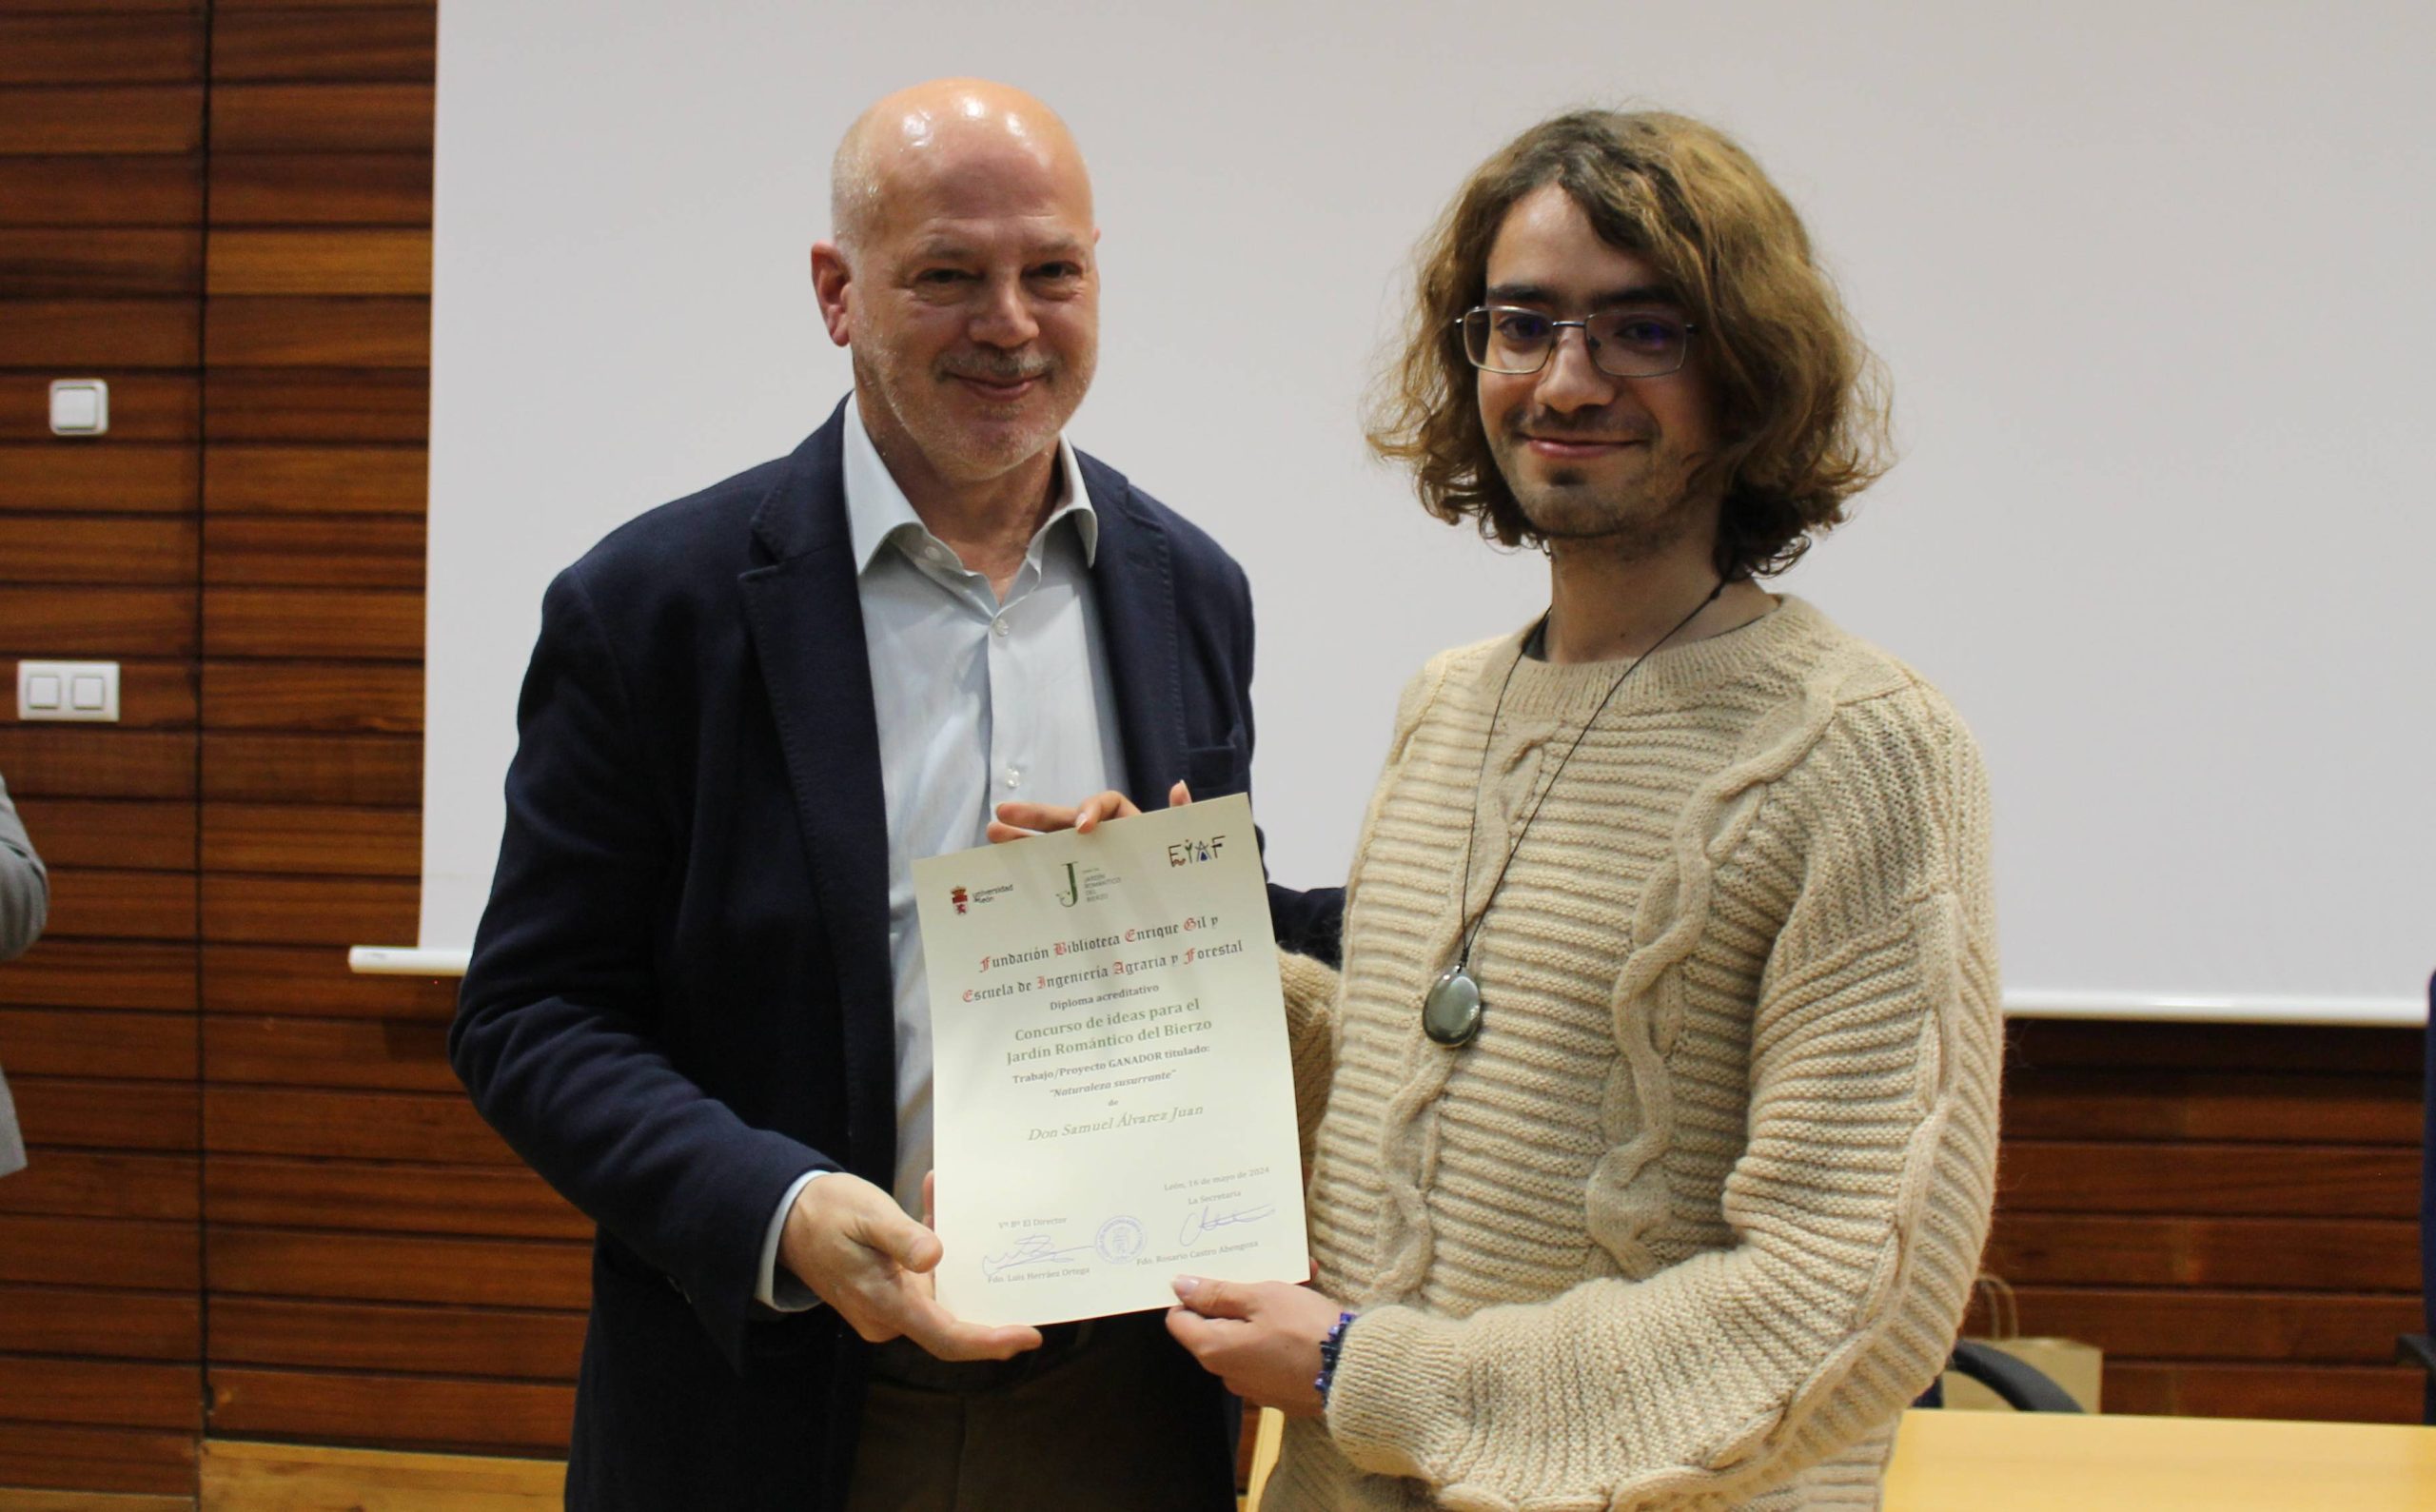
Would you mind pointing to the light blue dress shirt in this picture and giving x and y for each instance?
(979, 701)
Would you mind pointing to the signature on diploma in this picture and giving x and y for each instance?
(1036, 1250)
(1208, 1218)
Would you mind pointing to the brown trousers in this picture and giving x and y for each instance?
(1106, 1416)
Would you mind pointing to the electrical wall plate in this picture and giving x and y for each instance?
(84, 691)
(80, 407)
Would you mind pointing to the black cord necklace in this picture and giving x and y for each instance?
(1451, 1010)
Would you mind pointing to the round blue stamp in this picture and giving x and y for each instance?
(1120, 1240)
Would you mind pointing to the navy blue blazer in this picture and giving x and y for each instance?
(680, 998)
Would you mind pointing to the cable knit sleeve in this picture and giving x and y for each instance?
(1311, 1038)
(1857, 1207)
(1311, 987)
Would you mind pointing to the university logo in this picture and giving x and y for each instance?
(960, 898)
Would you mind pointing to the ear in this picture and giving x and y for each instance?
(830, 278)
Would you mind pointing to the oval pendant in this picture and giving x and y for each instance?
(1450, 1012)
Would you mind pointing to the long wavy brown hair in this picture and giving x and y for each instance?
(1802, 402)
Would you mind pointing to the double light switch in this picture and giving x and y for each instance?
(68, 690)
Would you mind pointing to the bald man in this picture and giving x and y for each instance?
(696, 1003)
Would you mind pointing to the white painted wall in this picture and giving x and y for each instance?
(2152, 280)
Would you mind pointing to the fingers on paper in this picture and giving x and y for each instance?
(1213, 1299)
(1102, 806)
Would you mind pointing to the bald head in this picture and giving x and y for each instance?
(933, 133)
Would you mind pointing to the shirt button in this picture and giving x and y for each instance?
(1015, 777)
(998, 628)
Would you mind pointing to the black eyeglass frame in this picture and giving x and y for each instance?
(1556, 334)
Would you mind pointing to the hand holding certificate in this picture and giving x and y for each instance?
(1115, 1099)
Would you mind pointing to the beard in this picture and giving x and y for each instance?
(955, 438)
(1646, 514)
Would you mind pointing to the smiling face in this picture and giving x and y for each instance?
(1587, 454)
(970, 298)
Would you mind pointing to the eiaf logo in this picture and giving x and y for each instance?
(1187, 853)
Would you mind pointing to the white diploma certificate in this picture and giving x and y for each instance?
(1114, 1106)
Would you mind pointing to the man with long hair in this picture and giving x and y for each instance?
(1651, 1122)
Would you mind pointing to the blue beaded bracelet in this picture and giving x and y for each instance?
(1330, 1347)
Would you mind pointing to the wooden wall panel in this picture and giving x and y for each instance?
(86, 263)
(286, 404)
(124, 834)
(296, 622)
(401, 1055)
(320, 261)
(497, 1202)
(107, 1460)
(2295, 1254)
(100, 191)
(310, 1124)
(322, 698)
(347, 1176)
(114, 119)
(359, 333)
(83, 1043)
(100, 1393)
(2335, 1181)
(305, 910)
(76, 334)
(94, 762)
(374, 770)
(324, 188)
(297, 837)
(282, 979)
(102, 260)
(472, 1272)
(500, 1342)
(2323, 1393)
(98, 49)
(52, 621)
(107, 1325)
(80, 1113)
(111, 479)
(83, 1184)
(403, 1410)
(391, 42)
(122, 905)
(326, 551)
(59, 1251)
(98, 973)
(2228, 1212)
(320, 118)
(314, 480)
(106, 549)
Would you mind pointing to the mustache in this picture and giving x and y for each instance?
(1555, 426)
(1002, 369)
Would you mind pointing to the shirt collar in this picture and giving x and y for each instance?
(878, 511)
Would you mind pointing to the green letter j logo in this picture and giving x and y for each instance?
(1072, 893)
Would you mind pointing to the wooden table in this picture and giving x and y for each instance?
(2043, 1462)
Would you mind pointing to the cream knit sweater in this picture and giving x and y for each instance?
(1697, 1214)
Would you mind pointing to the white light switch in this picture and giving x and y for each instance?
(68, 690)
(80, 407)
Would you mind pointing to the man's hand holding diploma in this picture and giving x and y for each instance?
(855, 1247)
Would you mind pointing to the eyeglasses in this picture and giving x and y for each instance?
(1623, 344)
